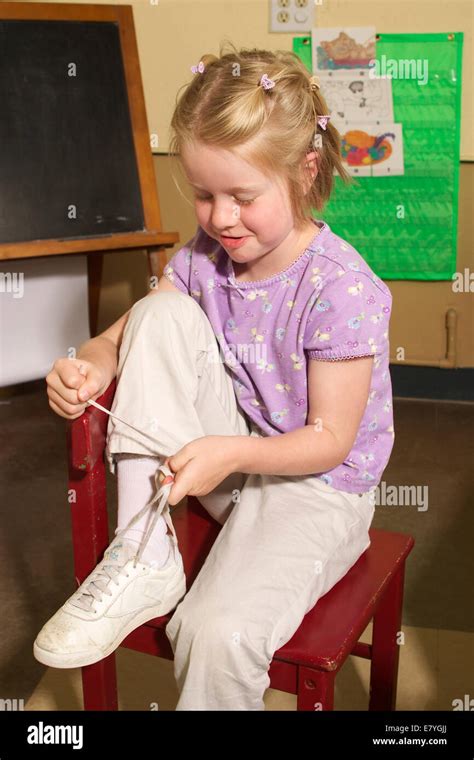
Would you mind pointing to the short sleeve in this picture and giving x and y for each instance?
(349, 319)
(178, 268)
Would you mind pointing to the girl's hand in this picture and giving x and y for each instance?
(68, 380)
(201, 465)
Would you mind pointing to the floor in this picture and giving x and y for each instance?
(433, 451)
(432, 672)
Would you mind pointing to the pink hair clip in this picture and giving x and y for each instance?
(199, 68)
(323, 120)
(266, 82)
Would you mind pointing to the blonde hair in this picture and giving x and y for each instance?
(225, 106)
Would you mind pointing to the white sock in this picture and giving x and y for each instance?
(136, 487)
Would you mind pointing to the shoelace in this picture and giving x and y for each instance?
(111, 567)
(107, 572)
(163, 508)
(160, 498)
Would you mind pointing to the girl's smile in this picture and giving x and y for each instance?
(233, 242)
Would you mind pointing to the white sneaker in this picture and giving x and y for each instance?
(119, 595)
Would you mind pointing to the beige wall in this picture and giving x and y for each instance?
(173, 34)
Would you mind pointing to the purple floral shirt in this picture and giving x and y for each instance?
(327, 305)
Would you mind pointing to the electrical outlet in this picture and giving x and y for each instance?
(292, 15)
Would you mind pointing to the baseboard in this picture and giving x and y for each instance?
(433, 382)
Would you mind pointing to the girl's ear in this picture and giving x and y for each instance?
(310, 163)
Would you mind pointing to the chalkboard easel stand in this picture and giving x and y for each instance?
(76, 167)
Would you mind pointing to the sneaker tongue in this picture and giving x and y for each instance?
(120, 551)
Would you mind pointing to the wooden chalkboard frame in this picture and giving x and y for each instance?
(152, 237)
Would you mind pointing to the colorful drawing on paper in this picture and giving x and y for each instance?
(342, 48)
(361, 149)
(373, 150)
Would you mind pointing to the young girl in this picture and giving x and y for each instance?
(255, 377)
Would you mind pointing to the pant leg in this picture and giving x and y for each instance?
(288, 541)
(170, 386)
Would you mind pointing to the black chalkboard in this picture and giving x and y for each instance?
(68, 167)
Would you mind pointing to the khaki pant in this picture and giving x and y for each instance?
(283, 544)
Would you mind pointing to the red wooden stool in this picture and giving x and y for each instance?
(307, 664)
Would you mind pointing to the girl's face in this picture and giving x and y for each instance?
(235, 200)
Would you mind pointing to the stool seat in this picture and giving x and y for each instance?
(308, 663)
(330, 630)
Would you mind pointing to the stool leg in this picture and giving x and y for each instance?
(315, 689)
(99, 685)
(385, 649)
(90, 537)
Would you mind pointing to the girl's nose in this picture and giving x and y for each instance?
(224, 214)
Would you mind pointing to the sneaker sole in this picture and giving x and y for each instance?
(80, 659)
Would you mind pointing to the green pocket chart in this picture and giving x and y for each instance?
(421, 245)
